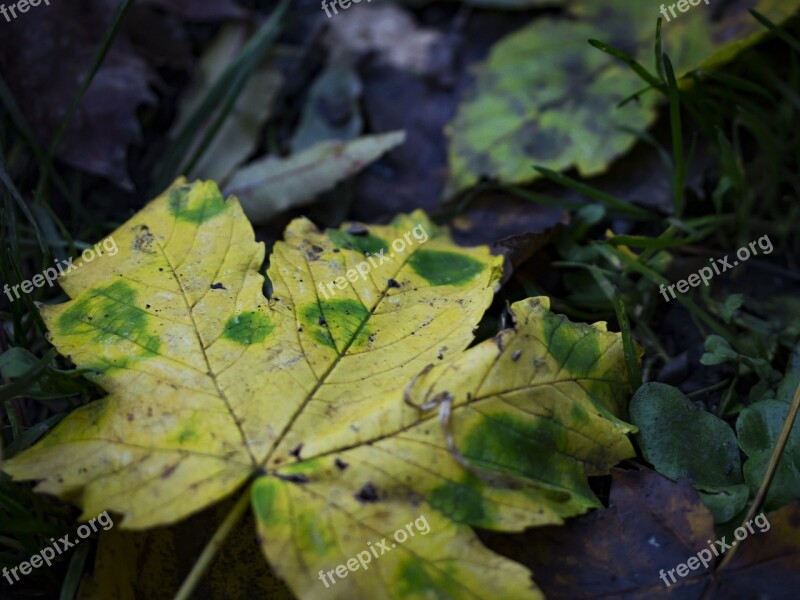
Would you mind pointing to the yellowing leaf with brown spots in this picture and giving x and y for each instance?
(345, 407)
(546, 97)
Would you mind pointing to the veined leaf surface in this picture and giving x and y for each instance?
(309, 396)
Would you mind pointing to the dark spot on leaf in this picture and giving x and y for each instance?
(368, 493)
(296, 451)
(516, 355)
(218, 286)
(316, 248)
(169, 471)
(143, 241)
(130, 417)
(340, 464)
(543, 145)
(392, 283)
(292, 478)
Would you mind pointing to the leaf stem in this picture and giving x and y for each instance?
(212, 547)
(771, 468)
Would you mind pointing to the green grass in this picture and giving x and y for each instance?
(748, 116)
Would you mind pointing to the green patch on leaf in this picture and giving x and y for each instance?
(532, 448)
(337, 320)
(575, 348)
(444, 268)
(248, 328)
(196, 204)
(421, 581)
(187, 434)
(366, 244)
(110, 314)
(461, 501)
(263, 496)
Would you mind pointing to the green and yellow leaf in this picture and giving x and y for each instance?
(546, 97)
(347, 407)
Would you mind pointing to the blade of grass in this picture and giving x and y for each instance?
(27, 438)
(690, 305)
(778, 31)
(647, 138)
(732, 81)
(630, 61)
(635, 95)
(12, 191)
(542, 198)
(659, 52)
(614, 297)
(105, 46)
(633, 212)
(10, 391)
(679, 179)
(10, 105)
(226, 88)
(641, 241)
(72, 579)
